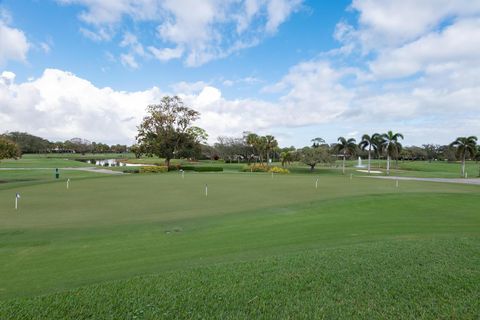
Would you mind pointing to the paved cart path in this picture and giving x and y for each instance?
(448, 180)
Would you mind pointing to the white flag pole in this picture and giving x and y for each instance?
(396, 184)
(16, 203)
(183, 174)
(206, 190)
(68, 183)
(316, 184)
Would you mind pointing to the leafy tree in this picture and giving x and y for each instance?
(29, 143)
(465, 146)
(312, 156)
(164, 132)
(391, 146)
(136, 150)
(346, 147)
(9, 149)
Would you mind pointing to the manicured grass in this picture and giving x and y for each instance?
(16, 178)
(153, 246)
(398, 279)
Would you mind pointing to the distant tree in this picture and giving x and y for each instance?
(9, 149)
(253, 141)
(165, 130)
(317, 142)
(29, 143)
(367, 143)
(465, 146)
(270, 145)
(346, 147)
(312, 156)
(391, 146)
(286, 157)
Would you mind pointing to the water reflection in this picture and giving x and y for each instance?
(111, 163)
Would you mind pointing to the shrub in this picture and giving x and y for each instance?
(187, 168)
(156, 169)
(256, 167)
(208, 169)
(132, 170)
(279, 170)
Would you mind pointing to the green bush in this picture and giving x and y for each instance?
(152, 169)
(131, 170)
(188, 168)
(208, 169)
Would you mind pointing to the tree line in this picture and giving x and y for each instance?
(167, 131)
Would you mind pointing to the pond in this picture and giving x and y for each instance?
(112, 163)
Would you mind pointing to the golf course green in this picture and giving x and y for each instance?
(149, 246)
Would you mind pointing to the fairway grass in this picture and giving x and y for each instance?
(154, 246)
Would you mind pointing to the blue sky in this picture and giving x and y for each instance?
(297, 69)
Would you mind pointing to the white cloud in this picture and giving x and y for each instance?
(166, 54)
(13, 42)
(198, 31)
(128, 60)
(392, 23)
(60, 105)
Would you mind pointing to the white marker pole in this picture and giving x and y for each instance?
(68, 184)
(316, 184)
(17, 196)
(206, 190)
(183, 174)
(396, 184)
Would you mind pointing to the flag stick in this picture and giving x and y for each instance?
(68, 183)
(316, 184)
(206, 190)
(16, 203)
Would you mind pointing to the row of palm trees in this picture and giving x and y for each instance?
(389, 143)
(379, 143)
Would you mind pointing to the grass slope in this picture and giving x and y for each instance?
(402, 279)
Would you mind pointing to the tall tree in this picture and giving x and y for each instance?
(391, 146)
(465, 146)
(346, 147)
(270, 144)
(165, 130)
(367, 143)
(252, 140)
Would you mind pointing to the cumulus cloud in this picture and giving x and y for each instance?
(13, 42)
(60, 105)
(198, 31)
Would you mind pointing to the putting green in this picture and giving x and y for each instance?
(122, 226)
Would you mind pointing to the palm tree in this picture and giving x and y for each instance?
(391, 146)
(252, 140)
(367, 142)
(270, 144)
(377, 145)
(465, 145)
(346, 147)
